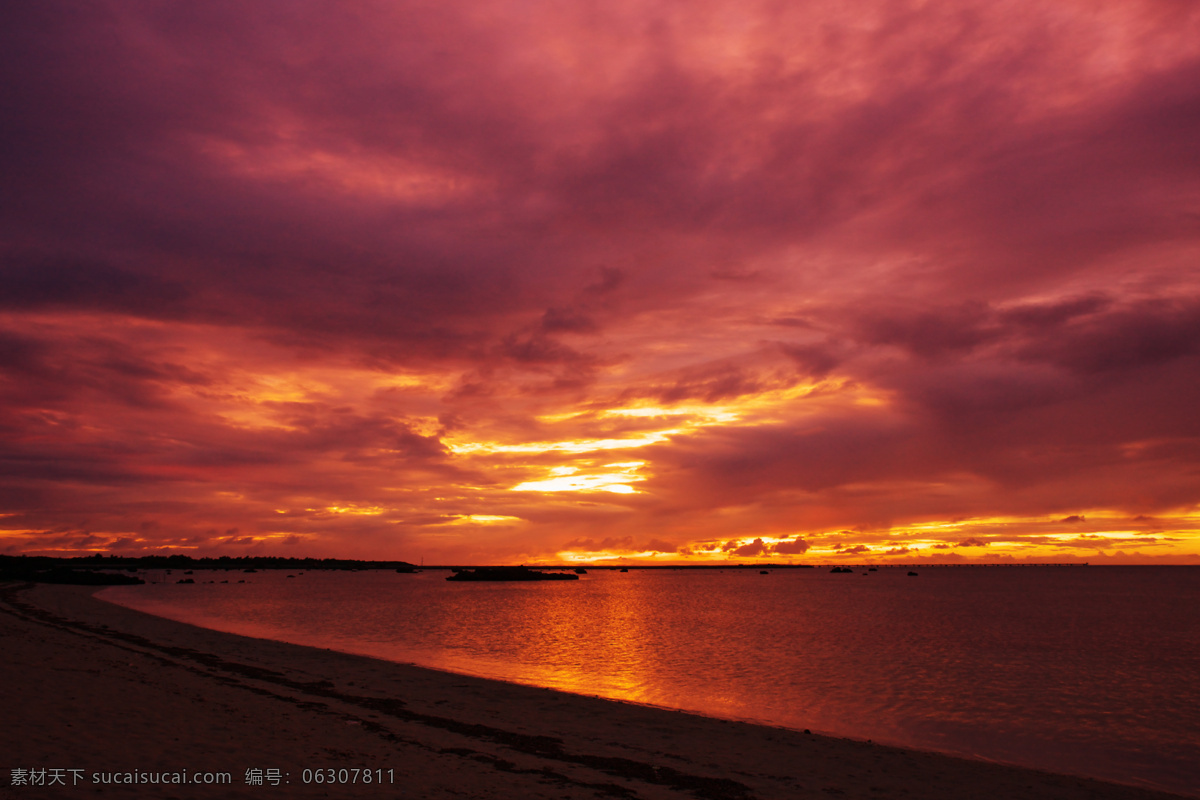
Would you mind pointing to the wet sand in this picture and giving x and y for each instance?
(86, 685)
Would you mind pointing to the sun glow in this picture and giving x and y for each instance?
(1091, 535)
(350, 509)
(15, 532)
(758, 408)
(699, 414)
(581, 446)
(613, 557)
(570, 479)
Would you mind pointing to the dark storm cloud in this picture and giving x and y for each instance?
(1132, 338)
(930, 334)
(815, 360)
(27, 285)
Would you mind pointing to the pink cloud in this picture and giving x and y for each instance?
(872, 266)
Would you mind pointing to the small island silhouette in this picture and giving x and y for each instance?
(521, 573)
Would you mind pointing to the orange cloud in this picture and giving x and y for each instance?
(826, 283)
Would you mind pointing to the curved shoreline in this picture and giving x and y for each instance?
(214, 624)
(101, 687)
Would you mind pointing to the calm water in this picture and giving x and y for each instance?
(1092, 671)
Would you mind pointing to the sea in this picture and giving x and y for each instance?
(1090, 671)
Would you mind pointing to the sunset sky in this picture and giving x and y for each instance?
(527, 281)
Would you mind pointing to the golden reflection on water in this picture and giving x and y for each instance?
(1049, 668)
(606, 636)
(614, 629)
(558, 647)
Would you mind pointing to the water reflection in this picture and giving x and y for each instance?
(1078, 670)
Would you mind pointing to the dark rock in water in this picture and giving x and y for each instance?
(186, 580)
(872, 569)
(841, 569)
(291, 576)
(624, 570)
(580, 571)
(913, 574)
(510, 574)
(763, 572)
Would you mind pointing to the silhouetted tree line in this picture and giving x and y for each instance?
(96, 569)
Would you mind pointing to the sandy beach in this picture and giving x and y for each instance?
(96, 695)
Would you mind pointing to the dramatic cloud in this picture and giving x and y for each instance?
(494, 282)
(752, 550)
(793, 548)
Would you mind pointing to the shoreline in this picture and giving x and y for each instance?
(757, 723)
(95, 686)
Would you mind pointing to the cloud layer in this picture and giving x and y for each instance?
(491, 282)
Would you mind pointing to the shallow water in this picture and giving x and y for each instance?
(1090, 671)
